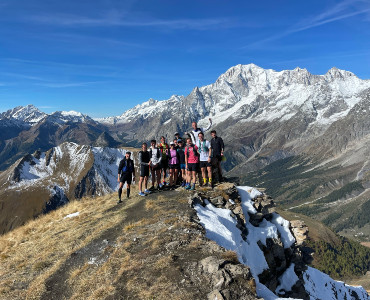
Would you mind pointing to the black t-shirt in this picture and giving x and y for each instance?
(181, 153)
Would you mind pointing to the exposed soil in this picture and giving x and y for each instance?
(57, 286)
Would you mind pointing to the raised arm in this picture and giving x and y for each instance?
(209, 126)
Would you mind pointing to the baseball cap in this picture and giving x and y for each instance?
(172, 143)
(128, 152)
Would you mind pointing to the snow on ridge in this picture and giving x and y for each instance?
(221, 227)
(67, 162)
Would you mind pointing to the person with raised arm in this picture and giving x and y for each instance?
(193, 134)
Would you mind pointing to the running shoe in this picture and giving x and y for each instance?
(119, 201)
(147, 191)
(192, 187)
(187, 187)
(160, 185)
(141, 194)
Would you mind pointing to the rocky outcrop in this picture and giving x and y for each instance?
(287, 273)
(300, 231)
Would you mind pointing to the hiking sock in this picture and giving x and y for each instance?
(128, 192)
(204, 181)
(210, 180)
(119, 193)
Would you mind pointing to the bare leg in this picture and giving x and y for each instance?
(171, 176)
(176, 173)
(141, 184)
(145, 182)
(204, 176)
(158, 173)
(153, 177)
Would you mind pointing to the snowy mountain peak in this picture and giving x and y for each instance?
(335, 73)
(62, 117)
(28, 114)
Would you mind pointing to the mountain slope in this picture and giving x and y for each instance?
(156, 247)
(41, 182)
(319, 123)
(34, 131)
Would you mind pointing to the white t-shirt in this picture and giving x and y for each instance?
(203, 149)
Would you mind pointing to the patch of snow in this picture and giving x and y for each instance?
(283, 227)
(320, 286)
(287, 280)
(72, 215)
(221, 227)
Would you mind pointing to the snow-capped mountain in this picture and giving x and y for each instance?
(254, 94)
(266, 116)
(26, 114)
(46, 180)
(26, 129)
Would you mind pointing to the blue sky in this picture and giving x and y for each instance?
(102, 57)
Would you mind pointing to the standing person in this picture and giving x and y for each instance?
(191, 161)
(155, 163)
(182, 171)
(218, 147)
(176, 144)
(205, 151)
(126, 173)
(144, 159)
(163, 146)
(173, 164)
(193, 134)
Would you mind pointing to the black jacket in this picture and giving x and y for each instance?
(217, 145)
(126, 166)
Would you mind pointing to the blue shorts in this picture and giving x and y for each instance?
(182, 166)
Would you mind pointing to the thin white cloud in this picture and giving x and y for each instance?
(123, 21)
(67, 84)
(342, 10)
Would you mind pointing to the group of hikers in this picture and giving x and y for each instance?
(183, 158)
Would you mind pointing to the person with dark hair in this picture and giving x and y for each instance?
(182, 165)
(191, 161)
(204, 150)
(176, 144)
(218, 147)
(177, 136)
(144, 160)
(126, 173)
(155, 163)
(163, 146)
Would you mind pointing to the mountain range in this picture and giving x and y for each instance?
(302, 136)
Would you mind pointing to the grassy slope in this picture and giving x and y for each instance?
(109, 251)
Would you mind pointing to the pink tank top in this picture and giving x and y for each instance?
(173, 160)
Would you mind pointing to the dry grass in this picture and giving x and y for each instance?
(32, 253)
(230, 256)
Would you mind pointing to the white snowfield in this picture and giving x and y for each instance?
(67, 164)
(252, 93)
(221, 227)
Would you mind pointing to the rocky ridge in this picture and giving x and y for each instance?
(282, 259)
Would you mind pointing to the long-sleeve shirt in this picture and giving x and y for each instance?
(194, 133)
(217, 145)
